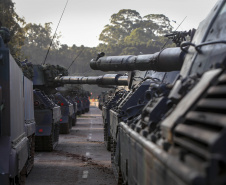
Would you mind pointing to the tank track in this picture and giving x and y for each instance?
(70, 123)
(22, 179)
(73, 121)
(64, 128)
(116, 169)
(47, 143)
(107, 139)
(44, 143)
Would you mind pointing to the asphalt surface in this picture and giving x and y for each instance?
(80, 158)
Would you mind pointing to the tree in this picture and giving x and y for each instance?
(137, 36)
(13, 22)
(129, 32)
(156, 24)
(121, 25)
(38, 39)
(39, 35)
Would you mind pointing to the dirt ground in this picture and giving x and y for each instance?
(80, 158)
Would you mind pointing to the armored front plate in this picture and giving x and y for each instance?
(114, 121)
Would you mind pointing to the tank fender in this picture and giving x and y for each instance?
(30, 128)
(21, 149)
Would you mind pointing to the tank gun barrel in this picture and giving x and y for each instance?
(107, 79)
(169, 59)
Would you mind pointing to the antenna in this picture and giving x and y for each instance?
(76, 58)
(174, 30)
(55, 32)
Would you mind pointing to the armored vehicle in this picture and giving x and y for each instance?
(29, 121)
(47, 116)
(82, 105)
(132, 102)
(66, 113)
(104, 80)
(47, 113)
(101, 99)
(179, 136)
(17, 125)
(85, 103)
(79, 105)
(74, 115)
(112, 100)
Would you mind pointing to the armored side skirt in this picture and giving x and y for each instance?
(144, 163)
(114, 121)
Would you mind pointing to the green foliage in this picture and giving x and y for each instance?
(39, 36)
(38, 39)
(157, 24)
(13, 22)
(137, 36)
(127, 27)
(121, 25)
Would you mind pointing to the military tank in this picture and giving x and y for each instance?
(106, 80)
(47, 116)
(179, 136)
(66, 113)
(111, 80)
(74, 115)
(126, 105)
(17, 124)
(30, 122)
(79, 105)
(47, 113)
(86, 103)
(101, 99)
(111, 98)
(132, 103)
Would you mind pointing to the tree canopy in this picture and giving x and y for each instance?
(134, 33)
(14, 23)
(127, 26)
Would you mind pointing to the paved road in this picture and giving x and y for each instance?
(80, 158)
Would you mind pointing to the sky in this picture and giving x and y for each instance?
(84, 20)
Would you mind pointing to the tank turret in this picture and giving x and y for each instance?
(44, 75)
(169, 59)
(107, 79)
